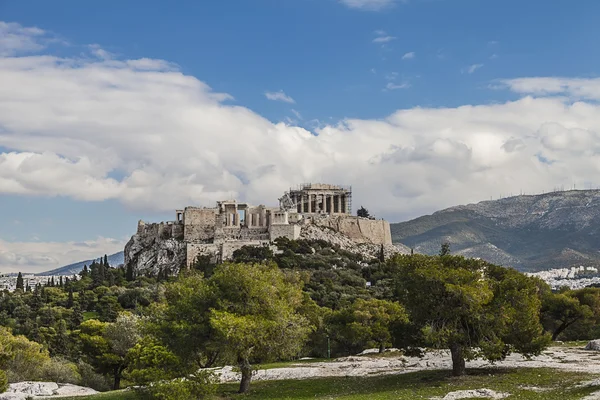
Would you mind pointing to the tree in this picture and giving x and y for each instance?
(84, 272)
(364, 323)
(568, 308)
(106, 344)
(471, 307)
(122, 335)
(363, 212)
(444, 250)
(257, 314)
(20, 284)
(243, 312)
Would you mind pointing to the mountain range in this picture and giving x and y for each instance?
(114, 260)
(529, 233)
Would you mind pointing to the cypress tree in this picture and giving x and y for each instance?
(106, 262)
(20, 281)
(60, 282)
(129, 275)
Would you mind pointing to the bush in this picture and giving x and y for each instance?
(196, 386)
(91, 378)
(3, 381)
(60, 370)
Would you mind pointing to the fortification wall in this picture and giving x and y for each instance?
(291, 232)
(199, 224)
(360, 230)
(193, 250)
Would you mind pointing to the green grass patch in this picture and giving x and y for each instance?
(288, 364)
(90, 315)
(556, 385)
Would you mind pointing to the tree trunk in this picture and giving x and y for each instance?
(458, 360)
(562, 327)
(246, 370)
(381, 347)
(117, 377)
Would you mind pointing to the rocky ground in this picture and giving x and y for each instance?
(43, 390)
(565, 358)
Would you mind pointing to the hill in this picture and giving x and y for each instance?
(530, 233)
(114, 260)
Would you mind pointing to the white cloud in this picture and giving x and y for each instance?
(279, 96)
(471, 68)
(296, 113)
(32, 257)
(395, 86)
(176, 142)
(579, 88)
(368, 5)
(15, 38)
(384, 39)
(409, 56)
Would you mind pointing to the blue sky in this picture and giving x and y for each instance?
(141, 107)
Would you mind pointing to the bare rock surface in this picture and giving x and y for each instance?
(562, 358)
(316, 232)
(43, 390)
(593, 345)
(470, 394)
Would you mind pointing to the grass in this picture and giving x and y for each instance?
(559, 385)
(287, 364)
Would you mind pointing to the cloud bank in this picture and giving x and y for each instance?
(140, 131)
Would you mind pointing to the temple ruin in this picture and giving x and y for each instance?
(220, 230)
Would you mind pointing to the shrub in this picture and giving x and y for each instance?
(91, 378)
(3, 381)
(196, 386)
(61, 371)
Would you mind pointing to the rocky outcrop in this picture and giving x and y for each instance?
(593, 345)
(360, 230)
(150, 254)
(44, 390)
(320, 232)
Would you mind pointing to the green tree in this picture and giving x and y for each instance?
(257, 314)
(122, 336)
(20, 285)
(473, 308)
(568, 309)
(444, 250)
(363, 212)
(242, 312)
(3, 381)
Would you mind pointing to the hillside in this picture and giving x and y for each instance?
(552, 230)
(114, 260)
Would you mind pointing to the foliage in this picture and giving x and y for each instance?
(571, 314)
(473, 308)
(60, 370)
(3, 381)
(241, 313)
(20, 357)
(196, 386)
(363, 212)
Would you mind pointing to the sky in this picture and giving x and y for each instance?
(116, 111)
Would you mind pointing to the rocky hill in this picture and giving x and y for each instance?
(553, 230)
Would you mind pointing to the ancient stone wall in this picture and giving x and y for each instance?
(291, 232)
(199, 224)
(360, 230)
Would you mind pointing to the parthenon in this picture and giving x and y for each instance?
(320, 198)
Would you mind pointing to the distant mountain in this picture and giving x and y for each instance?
(530, 233)
(114, 260)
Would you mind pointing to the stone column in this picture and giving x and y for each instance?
(339, 204)
(330, 197)
(309, 203)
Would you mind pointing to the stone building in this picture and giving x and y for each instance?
(219, 231)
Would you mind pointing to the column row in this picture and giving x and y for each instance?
(320, 203)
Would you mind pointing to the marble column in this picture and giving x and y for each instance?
(309, 204)
(339, 204)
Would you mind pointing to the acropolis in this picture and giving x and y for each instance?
(220, 230)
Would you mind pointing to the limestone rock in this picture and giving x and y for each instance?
(593, 345)
(319, 232)
(149, 255)
(471, 394)
(43, 390)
